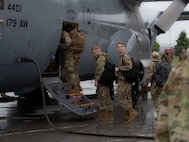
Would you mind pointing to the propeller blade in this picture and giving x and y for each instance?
(170, 15)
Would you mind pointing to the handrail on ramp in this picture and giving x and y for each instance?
(77, 102)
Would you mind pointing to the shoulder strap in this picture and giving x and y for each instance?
(122, 58)
(129, 57)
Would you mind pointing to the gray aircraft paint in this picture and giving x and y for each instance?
(32, 29)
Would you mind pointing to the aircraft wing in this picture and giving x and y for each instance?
(170, 15)
(154, 0)
(184, 16)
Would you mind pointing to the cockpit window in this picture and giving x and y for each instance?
(1, 4)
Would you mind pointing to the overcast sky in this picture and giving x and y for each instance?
(168, 39)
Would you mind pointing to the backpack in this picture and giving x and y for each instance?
(132, 75)
(162, 72)
(108, 76)
(77, 41)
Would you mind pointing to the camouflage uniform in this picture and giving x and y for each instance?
(155, 90)
(71, 62)
(103, 92)
(182, 57)
(173, 124)
(167, 57)
(124, 88)
(71, 68)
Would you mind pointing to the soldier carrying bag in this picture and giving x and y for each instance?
(132, 76)
(108, 76)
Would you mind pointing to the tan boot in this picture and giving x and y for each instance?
(126, 117)
(101, 115)
(75, 89)
(132, 114)
(108, 116)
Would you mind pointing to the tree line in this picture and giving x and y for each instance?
(182, 42)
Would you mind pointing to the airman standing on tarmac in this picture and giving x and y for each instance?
(151, 72)
(124, 88)
(103, 92)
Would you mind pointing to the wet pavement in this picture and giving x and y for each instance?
(28, 123)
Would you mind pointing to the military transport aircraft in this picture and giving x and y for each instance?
(32, 30)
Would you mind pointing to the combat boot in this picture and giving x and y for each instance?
(108, 116)
(126, 117)
(75, 89)
(101, 115)
(132, 114)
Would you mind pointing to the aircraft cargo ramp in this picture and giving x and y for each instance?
(78, 103)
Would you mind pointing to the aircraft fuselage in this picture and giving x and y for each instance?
(32, 29)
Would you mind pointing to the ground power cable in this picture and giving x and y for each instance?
(72, 132)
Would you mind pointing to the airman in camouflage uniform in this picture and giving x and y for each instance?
(103, 92)
(167, 57)
(182, 56)
(124, 88)
(173, 124)
(71, 63)
(151, 73)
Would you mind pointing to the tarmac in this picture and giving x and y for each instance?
(55, 123)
